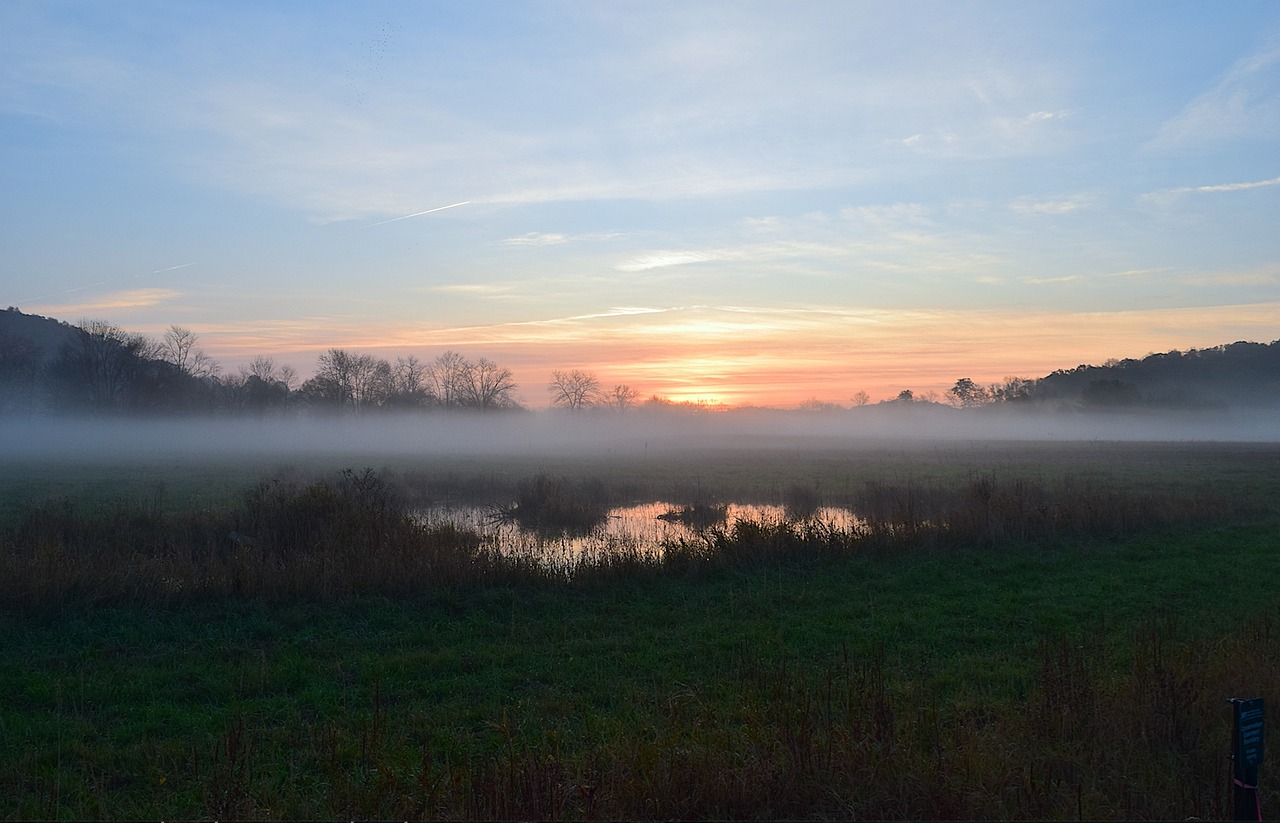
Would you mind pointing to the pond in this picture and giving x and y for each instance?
(640, 528)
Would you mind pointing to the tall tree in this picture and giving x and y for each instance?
(446, 379)
(966, 393)
(99, 368)
(488, 385)
(267, 370)
(179, 347)
(1011, 390)
(355, 381)
(19, 367)
(574, 390)
(621, 398)
(407, 387)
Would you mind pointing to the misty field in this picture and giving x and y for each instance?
(1011, 630)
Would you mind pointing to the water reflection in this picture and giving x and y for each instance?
(641, 528)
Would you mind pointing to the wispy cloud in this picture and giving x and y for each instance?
(537, 238)
(1245, 103)
(1165, 195)
(697, 102)
(1066, 205)
(130, 299)
(664, 259)
(1265, 275)
(478, 289)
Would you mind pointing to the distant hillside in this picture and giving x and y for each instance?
(1238, 374)
(46, 334)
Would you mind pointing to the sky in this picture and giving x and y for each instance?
(726, 202)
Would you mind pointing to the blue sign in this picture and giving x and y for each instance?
(1249, 718)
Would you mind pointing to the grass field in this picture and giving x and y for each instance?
(985, 663)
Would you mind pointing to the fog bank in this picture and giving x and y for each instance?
(558, 433)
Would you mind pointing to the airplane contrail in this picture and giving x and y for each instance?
(419, 213)
(99, 283)
(66, 291)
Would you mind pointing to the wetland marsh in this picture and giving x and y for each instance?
(965, 629)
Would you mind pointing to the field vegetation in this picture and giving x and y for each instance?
(1011, 631)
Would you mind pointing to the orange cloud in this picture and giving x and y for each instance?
(130, 299)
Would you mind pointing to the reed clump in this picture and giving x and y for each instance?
(801, 500)
(699, 515)
(357, 535)
(285, 541)
(558, 506)
(982, 512)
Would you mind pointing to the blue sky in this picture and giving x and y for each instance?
(739, 202)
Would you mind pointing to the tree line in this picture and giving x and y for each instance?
(99, 368)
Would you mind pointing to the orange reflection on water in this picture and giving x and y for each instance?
(637, 529)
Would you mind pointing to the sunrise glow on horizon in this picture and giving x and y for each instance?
(720, 203)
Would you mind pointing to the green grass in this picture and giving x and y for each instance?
(836, 468)
(1050, 677)
(121, 712)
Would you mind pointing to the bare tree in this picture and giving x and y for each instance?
(179, 347)
(574, 390)
(100, 366)
(861, 398)
(1011, 390)
(488, 385)
(408, 383)
(267, 370)
(813, 404)
(262, 386)
(621, 398)
(446, 379)
(357, 381)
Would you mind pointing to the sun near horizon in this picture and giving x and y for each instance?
(741, 205)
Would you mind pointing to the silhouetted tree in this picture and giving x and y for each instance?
(488, 386)
(407, 387)
(179, 347)
(813, 404)
(967, 393)
(1109, 394)
(19, 370)
(574, 390)
(621, 398)
(98, 369)
(267, 370)
(355, 381)
(446, 379)
(1011, 390)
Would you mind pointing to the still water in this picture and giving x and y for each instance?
(638, 528)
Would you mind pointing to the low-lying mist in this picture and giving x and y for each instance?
(537, 433)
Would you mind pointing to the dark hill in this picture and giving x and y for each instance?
(45, 334)
(1237, 374)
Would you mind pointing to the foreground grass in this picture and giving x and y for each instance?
(991, 646)
(1038, 681)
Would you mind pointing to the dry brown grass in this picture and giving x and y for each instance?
(356, 536)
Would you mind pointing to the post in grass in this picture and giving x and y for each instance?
(1246, 756)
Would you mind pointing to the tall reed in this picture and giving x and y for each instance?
(357, 535)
